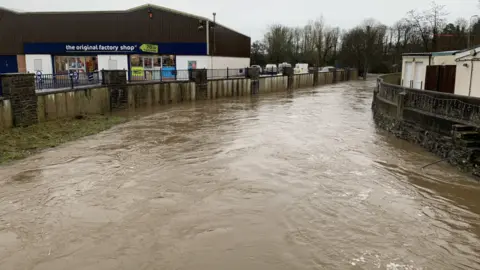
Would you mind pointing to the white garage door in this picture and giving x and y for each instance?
(418, 82)
(408, 74)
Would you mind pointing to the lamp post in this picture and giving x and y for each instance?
(470, 30)
(214, 45)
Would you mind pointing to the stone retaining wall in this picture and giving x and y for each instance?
(434, 132)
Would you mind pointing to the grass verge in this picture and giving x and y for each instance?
(17, 143)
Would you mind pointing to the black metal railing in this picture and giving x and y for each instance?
(455, 107)
(166, 75)
(67, 80)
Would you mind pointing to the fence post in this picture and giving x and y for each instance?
(227, 73)
(103, 76)
(401, 104)
(20, 89)
(375, 92)
(71, 80)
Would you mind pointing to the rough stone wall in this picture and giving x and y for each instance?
(116, 81)
(20, 89)
(426, 131)
(201, 84)
(118, 97)
(114, 77)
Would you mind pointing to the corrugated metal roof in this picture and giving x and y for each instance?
(121, 11)
(444, 53)
(417, 54)
(431, 53)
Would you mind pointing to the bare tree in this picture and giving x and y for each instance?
(331, 37)
(277, 40)
(421, 26)
(436, 18)
(318, 28)
(297, 39)
(309, 43)
(428, 24)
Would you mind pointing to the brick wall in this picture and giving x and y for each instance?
(116, 80)
(20, 89)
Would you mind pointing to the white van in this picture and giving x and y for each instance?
(282, 66)
(301, 68)
(271, 69)
(327, 69)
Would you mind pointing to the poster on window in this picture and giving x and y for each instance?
(192, 64)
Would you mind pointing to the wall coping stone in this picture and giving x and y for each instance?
(66, 90)
(17, 75)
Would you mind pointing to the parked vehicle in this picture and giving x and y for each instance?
(327, 69)
(271, 69)
(282, 66)
(258, 67)
(301, 68)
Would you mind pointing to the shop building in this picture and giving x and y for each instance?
(148, 41)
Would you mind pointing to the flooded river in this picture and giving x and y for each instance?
(282, 181)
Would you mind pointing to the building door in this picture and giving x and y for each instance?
(407, 78)
(152, 66)
(419, 75)
(441, 78)
(8, 64)
(446, 82)
(431, 78)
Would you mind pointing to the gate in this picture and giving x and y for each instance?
(441, 78)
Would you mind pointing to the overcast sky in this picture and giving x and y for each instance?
(252, 17)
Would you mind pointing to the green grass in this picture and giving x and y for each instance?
(18, 143)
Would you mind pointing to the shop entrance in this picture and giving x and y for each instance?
(152, 65)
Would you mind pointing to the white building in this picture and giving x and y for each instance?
(467, 81)
(414, 67)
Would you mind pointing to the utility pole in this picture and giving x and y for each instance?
(214, 45)
(367, 48)
(470, 30)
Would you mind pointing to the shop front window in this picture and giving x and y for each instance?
(168, 60)
(147, 62)
(80, 64)
(152, 67)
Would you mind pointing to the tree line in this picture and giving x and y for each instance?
(370, 45)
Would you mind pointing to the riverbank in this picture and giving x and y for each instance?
(18, 143)
(444, 124)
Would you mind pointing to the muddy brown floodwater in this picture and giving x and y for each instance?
(283, 181)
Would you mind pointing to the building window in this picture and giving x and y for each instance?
(152, 67)
(112, 64)
(80, 64)
(151, 62)
(168, 60)
(37, 65)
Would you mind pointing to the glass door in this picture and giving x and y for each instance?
(152, 66)
(76, 64)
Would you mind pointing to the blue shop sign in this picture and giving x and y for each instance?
(116, 48)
